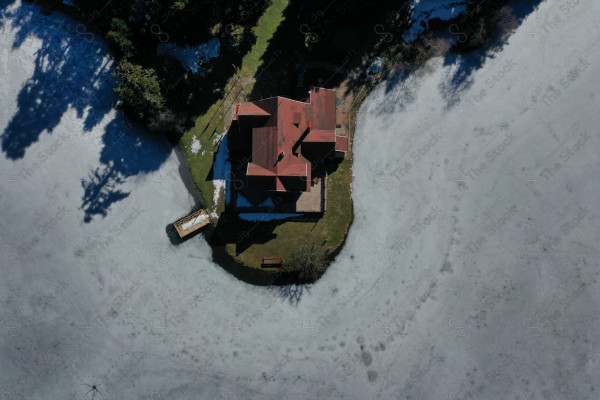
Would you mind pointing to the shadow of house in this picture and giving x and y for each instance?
(227, 232)
(220, 166)
(231, 229)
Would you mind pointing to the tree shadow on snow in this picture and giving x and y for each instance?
(127, 151)
(72, 69)
(100, 191)
(401, 89)
(292, 293)
(465, 63)
(402, 82)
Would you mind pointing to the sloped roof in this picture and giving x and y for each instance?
(250, 109)
(341, 143)
(276, 143)
(320, 136)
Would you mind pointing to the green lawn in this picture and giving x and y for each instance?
(264, 31)
(212, 123)
(329, 231)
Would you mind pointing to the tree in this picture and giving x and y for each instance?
(308, 261)
(167, 122)
(119, 36)
(139, 89)
(179, 5)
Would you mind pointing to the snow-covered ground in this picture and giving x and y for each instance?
(195, 145)
(422, 11)
(471, 271)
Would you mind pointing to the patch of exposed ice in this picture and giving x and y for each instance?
(242, 201)
(376, 65)
(267, 216)
(191, 57)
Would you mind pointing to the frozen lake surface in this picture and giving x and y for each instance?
(471, 270)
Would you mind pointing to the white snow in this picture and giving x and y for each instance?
(195, 221)
(422, 11)
(191, 57)
(195, 145)
(222, 170)
(219, 185)
(443, 290)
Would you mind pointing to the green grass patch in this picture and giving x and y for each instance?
(328, 232)
(263, 31)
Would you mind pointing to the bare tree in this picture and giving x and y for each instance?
(308, 261)
(167, 121)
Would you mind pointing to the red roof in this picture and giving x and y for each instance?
(341, 143)
(250, 109)
(276, 142)
(319, 136)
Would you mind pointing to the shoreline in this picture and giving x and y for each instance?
(358, 94)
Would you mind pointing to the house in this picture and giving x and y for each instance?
(284, 141)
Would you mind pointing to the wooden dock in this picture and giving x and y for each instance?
(192, 222)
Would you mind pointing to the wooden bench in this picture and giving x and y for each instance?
(272, 262)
